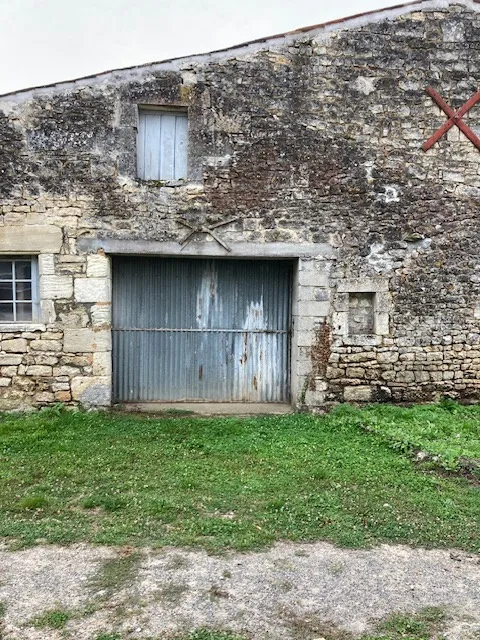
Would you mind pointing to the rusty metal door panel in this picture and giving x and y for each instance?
(201, 330)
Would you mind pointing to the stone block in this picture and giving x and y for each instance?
(39, 370)
(101, 314)
(102, 363)
(10, 360)
(30, 239)
(405, 377)
(305, 323)
(8, 372)
(60, 386)
(46, 345)
(66, 371)
(43, 358)
(56, 287)
(5, 382)
(387, 357)
(46, 264)
(341, 302)
(359, 393)
(313, 308)
(98, 266)
(47, 311)
(92, 391)
(382, 324)
(86, 341)
(314, 398)
(355, 372)
(44, 397)
(305, 338)
(63, 396)
(313, 278)
(17, 345)
(92, 290)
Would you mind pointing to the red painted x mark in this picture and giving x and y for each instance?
(454, 118)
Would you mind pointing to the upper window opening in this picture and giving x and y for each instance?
(162, 145)
(18, 289)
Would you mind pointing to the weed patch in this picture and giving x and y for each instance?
(446, 436)
(421, 626)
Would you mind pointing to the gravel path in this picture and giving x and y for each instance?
(288, 592)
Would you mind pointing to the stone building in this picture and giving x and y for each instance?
(259, 224)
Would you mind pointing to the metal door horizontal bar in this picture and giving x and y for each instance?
(165, 330)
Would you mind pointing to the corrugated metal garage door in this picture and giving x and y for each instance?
(201, 330)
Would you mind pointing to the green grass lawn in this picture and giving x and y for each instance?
(239, 482)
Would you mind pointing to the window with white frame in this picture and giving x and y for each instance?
(162, 144)
(18, 289)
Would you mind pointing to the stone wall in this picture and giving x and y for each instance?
(313, 143)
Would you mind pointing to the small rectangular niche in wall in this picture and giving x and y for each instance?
(361, 314)
(162, 144)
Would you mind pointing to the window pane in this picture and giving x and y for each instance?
(24, 311)
(6, 291)
(24, 290)
(23, 269)
(5, 270)
(6, 312)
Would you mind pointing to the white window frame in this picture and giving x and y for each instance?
(34, 280)
(160, 174)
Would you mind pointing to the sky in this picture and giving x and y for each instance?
(46, 41)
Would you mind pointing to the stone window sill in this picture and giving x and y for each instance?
(362, 340)
(12, 327)
(166, 183)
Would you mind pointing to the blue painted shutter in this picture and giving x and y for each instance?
(162, 145)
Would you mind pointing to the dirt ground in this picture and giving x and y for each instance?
(287, 592)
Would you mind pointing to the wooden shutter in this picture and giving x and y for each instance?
(162, 145)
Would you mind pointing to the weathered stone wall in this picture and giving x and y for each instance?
(313, 140)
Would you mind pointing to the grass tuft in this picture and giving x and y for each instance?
(31, 503)
(421, 626)
(54, 619)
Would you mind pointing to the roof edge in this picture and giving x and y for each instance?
(398, 9)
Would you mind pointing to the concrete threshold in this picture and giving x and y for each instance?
(210, 408)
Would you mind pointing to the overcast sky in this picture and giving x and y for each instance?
(44, 41)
